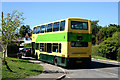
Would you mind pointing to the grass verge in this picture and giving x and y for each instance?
(21, 69)
(102, 58)
(95, 54)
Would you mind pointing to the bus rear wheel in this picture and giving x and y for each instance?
(56, 61)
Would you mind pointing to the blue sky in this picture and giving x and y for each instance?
(43, 12)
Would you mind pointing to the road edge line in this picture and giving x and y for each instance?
(63, 76)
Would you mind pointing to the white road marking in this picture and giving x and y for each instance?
(106, 72)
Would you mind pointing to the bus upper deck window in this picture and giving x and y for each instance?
(62, 26)
(79, 25)
(49, 28)
(56, 26)
(38, 30)
(42, 29)
(34, 30)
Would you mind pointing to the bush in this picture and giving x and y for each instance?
(104, 33)
(94, 51)
(118, 54)
(28, 45)
(109, 47)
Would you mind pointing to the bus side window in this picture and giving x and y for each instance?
(49, 46)
(37, 46)
(42, 29)
(60, 48)
(34, 30)
(46, 28)
(49, 28)
(41, 47)
(45, 47)
(56, 26)
(62, 26)
(55, 47)
(38, 30)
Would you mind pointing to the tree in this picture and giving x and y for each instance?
(109, 48)
(10, 26)
(104, 33)
(25, 29)
(114, 25)
(95, 29)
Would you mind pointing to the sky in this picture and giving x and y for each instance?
(37, 13)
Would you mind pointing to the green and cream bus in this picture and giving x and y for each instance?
(65, 42)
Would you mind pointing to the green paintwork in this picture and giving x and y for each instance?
(63, 37)
(47, 58)
(85, 37)
(50, 59)
(52, 37)
(67, 62)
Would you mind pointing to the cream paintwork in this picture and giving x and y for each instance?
(79, 31)
(63, 50)
(66, 49)
(79, 51)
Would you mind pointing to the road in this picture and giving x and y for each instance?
(98, 69)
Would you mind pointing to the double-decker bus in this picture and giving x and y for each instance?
(65, 42)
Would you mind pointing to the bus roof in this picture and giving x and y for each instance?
(61, 20)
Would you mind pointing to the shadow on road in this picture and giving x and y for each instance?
(95, 65)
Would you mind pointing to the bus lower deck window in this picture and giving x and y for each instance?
(55, 47)
(37, 46)
(49, 48)
(41, 47)
(79, 44)
(60, 48)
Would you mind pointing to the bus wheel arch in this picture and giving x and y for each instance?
(56, 61)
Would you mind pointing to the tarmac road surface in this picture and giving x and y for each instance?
(99, 69)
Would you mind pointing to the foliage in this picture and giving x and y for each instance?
(118, 54)
(10, 26)
(95, 29)
(21, 69)
(25, 29)
(104, 33)
(28, 45)
(109, 47)
(94, 50)
(117, 26)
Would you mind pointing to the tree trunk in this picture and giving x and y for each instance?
(3, 59)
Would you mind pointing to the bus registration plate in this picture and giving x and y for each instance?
(78, 61)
